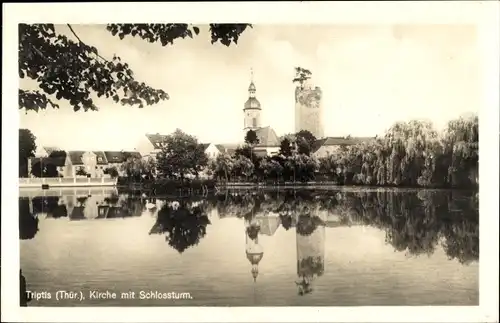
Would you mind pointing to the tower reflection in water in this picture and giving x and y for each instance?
(310, 242)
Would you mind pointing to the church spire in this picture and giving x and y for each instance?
(251, 88)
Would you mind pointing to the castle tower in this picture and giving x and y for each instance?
(251, 109)
(309, 110)
(254, 250)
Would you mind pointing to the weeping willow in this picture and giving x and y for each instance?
(412, 154)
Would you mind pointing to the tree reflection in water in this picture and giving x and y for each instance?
(415, 222)
(49, 205)
(307, 224)
(183, 222)
(28, 223)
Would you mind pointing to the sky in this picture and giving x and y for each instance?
(371, 77)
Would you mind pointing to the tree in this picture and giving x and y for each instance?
(285, 147)
(306, 135)
(27, 148)
(111, 171)
(81, 172)
(302, 167)
(44, 167)
(74, 71)
(301, 76)
(181, 155)
(223, 165)
(251, 139)
(243, 166)
(271, 168)
(303, 147)
(243, 151)
(138, 169)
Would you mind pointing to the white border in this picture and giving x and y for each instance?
(483, 14)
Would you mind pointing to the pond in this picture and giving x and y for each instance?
(345, 247)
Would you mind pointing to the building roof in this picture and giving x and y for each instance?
(101, 157)
(204, 146)
(220, 147)
(76, 157)
(156, 140)
(339, 141)
(114, 156)
(252, 104)
(56, 161)
(267, 137)
(227, 148)
(50, 150)
(40, 152)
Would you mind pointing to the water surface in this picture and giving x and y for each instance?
(335, 248)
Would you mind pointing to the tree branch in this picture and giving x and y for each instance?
(78, 38)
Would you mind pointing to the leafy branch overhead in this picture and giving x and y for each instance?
(74, 70)
(167, 33)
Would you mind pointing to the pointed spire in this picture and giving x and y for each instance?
(251, 88)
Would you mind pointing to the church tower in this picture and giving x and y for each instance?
(251, 109)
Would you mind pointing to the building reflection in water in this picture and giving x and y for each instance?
(413, 223)
(81, 204)
(253, 249)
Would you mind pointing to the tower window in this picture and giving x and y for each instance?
(254, 122)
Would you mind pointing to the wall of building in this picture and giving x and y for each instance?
(212, 151)
(309, 110)
(251, 119)
(272, 150)
(90, 162)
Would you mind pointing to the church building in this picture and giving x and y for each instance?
(268, 140)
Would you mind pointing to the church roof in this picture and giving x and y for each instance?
(252, 103)
(267, 137)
